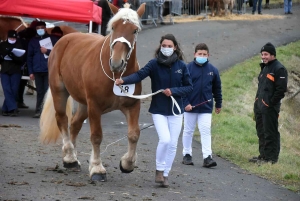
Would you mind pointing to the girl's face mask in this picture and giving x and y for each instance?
(167, 51)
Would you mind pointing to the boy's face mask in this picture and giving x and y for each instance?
(201, 60)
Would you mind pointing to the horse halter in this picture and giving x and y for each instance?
(123, 40)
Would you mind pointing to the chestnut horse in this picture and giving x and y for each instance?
(17, 23)
(10, 23)
(82, 67)
(215, 4)
(65, 29)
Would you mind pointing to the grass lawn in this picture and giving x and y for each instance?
(233, 130)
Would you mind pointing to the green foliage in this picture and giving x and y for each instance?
(233, 130)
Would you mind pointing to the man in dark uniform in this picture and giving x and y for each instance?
(272, 84)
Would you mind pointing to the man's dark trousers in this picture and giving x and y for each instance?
(42, 84)
(268, 134)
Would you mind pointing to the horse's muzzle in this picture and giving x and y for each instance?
(117, 66)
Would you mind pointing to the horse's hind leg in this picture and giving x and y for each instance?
(60, 97)
(77, 121)
(127, 162)
(76, 124)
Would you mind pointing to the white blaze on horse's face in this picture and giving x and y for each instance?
(120, 51)
(123, 27)
(122, 44)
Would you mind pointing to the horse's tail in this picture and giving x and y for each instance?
(49, 131)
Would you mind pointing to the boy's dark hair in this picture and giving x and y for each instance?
(40, 23)
(201, 46)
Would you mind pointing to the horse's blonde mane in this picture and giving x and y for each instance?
(125, 14)
(14, 17)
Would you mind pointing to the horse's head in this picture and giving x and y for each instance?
(124, 28)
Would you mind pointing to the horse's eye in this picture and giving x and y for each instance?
(135, 31)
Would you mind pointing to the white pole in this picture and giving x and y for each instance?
(99, 28)
(90, 27)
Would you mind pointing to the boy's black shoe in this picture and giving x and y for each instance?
(187, 160)
(209, 162)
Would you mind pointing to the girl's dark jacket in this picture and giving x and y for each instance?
(272, 84)
(176, 78)
(206, 86)
(36, 61)
(11, 66)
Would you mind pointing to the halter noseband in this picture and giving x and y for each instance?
(123, 40)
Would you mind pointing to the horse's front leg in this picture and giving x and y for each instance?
(96, 169)
(128, 160)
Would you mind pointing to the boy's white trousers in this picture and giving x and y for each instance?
(204, 126)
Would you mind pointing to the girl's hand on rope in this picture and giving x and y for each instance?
(118, 82)
(167, 92)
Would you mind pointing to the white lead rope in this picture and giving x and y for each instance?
(174, 102)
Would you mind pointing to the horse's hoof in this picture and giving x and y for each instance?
(72, 166)
(99, 177)
(123, 170)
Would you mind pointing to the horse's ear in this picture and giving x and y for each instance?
(113, 8)
(141, 9)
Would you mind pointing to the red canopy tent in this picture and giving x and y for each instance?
(68, 10)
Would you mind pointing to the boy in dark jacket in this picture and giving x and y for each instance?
(37, 61)
(11, 64)
(199, 105)
(272, 84)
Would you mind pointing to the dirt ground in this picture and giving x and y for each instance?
(32, 171)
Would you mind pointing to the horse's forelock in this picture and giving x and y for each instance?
(125, 14)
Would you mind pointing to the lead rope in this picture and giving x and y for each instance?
(174, 102)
